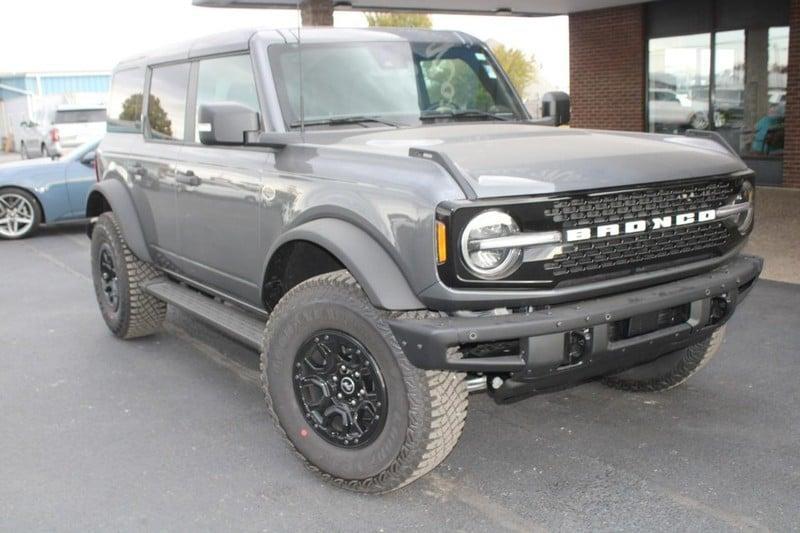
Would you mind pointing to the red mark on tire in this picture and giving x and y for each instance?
(304, 433)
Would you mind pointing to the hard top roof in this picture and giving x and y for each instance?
(239, 40)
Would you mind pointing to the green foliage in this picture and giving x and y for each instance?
(520, 69)
(157, 117)
(451, 83)
(400, 20)
(132, 108)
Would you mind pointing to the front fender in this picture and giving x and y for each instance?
(368, 262)
(111, 192)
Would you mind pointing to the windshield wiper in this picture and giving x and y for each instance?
(336, 121)
(464, 113)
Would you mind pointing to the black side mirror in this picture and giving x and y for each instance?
(88, 158)
(555, 105)
(226, 123)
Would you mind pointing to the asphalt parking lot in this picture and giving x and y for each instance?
(171, 433)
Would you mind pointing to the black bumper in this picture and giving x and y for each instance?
(545, 339)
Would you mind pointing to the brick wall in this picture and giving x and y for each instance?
(606, 63)
(791, 155)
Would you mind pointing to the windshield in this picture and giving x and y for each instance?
(397, 82)
(83, 149)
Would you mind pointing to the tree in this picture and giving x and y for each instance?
(132, 108)
(316, 12)
(400, 20)
(158, 119)
(520, 69)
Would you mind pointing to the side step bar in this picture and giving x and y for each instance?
(238, 324)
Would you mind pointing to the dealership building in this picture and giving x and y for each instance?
(730, 66)
(725, 65)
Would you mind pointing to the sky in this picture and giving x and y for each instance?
(93, 35)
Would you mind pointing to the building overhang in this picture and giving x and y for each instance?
(519, 8)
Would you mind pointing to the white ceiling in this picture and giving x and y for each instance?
(511, 7)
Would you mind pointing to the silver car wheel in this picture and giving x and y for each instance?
(699, 121)
(16, 215)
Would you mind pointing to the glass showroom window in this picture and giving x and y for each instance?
(729, 85)
(678, 80)
(765, 124)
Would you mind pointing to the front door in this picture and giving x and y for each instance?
(220, 190)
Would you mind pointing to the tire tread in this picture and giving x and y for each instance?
(146, 313)
(440, 404)
(696, 357)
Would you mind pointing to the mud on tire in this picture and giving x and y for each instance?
(426, 409)
(135, 313)
(668, 371)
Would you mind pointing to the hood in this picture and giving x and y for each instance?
(521, 159)
(10, 173)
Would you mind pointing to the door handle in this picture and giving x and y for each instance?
(187, 178)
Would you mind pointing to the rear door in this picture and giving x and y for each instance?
(153, 170)
(219, 198)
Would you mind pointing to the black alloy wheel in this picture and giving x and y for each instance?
(108, 277)
(340, 389)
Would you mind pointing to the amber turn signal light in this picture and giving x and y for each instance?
(441, 242)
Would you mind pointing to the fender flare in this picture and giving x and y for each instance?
(116, 195)
(368, 262)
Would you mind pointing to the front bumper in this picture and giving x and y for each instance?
(543, 361)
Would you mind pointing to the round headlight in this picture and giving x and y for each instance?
(746, 194)
(490, 263)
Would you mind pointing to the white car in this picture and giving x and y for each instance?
(666, 109)
(71, 125)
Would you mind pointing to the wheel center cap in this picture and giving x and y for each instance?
(348, 385)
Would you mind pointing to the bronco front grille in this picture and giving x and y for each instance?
(633, 249)
(599, 258)
(663, 245)
(639, 204)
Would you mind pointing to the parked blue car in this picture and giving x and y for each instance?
(41, 191)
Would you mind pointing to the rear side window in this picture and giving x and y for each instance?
(225, 79)
(166, 105)
(125, 104)
(78, 116)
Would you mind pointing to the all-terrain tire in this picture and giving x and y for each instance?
(137, 313)
(668, 371)
(426, 409)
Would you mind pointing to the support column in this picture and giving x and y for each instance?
(607, 68)
(791, 144)
(317, 12)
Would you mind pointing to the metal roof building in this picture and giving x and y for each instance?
(35, 95)
(52, 83)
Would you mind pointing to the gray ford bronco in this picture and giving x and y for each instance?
(377, 214)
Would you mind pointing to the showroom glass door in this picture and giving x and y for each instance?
(732, 82)
(728, 88)
(678, 83)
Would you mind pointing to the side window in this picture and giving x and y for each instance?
(125, 103)
(166, 104)
(225, 79)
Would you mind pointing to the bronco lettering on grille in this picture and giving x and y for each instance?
(639, 226)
